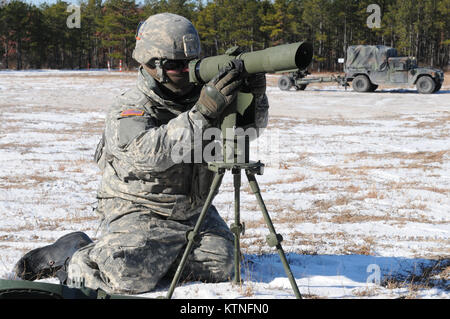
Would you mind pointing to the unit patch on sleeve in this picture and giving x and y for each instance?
(132, 112)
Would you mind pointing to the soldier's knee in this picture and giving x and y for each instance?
(213, 259)
(225, 270)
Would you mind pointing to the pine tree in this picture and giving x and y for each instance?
(37, 37)
(280, 23)
(91, 20)
(207, 25)
(16, 21)
(316, 17)
(118, 29)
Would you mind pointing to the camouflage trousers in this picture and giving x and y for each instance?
(137, 248)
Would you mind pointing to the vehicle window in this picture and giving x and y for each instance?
(399, 65)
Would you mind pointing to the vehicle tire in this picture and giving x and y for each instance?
(301, 87)
(285, 83)
(425, 85)
(361, 84)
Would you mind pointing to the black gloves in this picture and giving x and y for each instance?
(255, 84)
(220, 92)
(222, 89)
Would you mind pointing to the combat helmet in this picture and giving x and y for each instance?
(166, 36)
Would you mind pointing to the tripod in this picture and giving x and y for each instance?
(273, 239)
(235, 159)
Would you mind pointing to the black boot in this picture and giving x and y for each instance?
(50, 261)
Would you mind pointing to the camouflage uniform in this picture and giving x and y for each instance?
(148, 202)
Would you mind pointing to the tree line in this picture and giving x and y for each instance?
(40, 36)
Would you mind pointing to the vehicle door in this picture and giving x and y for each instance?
(398, 70)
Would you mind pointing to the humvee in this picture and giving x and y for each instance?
(368, 66)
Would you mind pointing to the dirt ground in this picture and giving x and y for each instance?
(350, 179)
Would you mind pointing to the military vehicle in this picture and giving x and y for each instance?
(368, 66)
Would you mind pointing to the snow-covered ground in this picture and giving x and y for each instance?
(358, 185)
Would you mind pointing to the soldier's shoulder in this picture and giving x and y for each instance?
(132, 97)
(129, 99)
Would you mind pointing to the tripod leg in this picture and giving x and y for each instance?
(193, 235)
(273, 239)
(236, 228)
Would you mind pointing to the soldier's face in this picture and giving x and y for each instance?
(176, 66)
(177, 71)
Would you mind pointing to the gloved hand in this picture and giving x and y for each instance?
(255, 84)
(221, 91)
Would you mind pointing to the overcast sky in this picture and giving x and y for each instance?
(38, 2)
